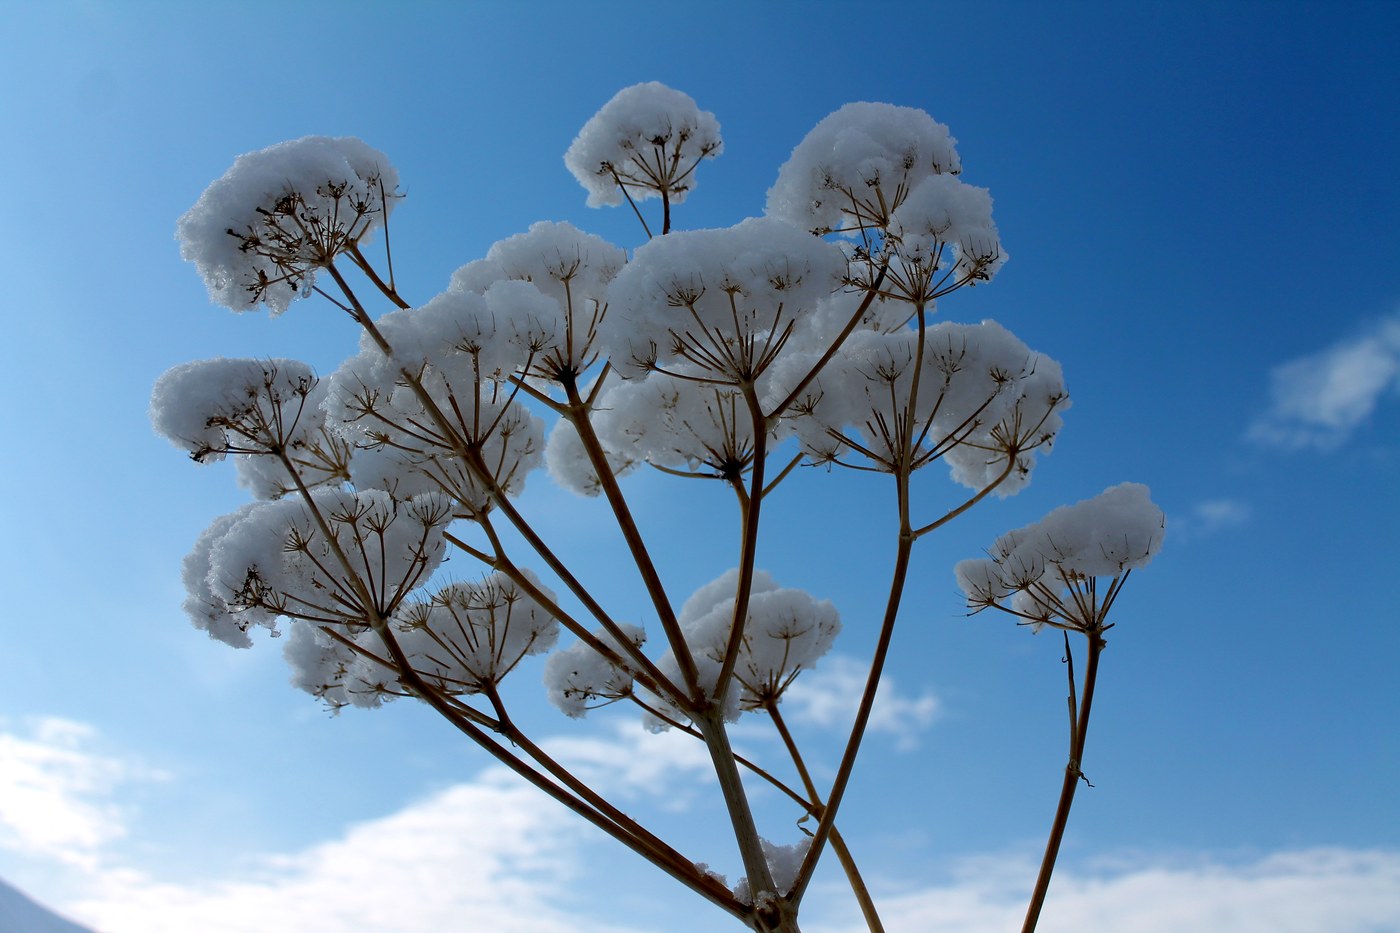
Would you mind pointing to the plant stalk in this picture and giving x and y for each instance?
(1073, 775)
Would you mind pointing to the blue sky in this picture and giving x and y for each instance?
(1201, 207)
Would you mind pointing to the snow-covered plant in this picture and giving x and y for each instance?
(806, 335)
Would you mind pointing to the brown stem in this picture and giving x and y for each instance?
(838, 845)
(598, 459)
(1073, 775)
(748, 545)
(368, 270)
(710, 723)
(867, 703)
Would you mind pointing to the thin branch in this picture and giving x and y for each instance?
(1073, 775)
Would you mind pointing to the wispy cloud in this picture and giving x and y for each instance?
(1302, 891)
(1208, 517)
(57, 792)
(826, 697)
(1320, 399)
(484, 855)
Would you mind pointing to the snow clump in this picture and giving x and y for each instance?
(1110, 535)
(258, 234)
(857, 166)
(645, 142)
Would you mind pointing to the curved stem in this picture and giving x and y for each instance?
(414, 682)
(1073, 775)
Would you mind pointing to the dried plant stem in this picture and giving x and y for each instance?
(659, 849)
(683, 699)
(578, 413)
(862, 720)
(838, 845)
(683, 871)
(1079, 727)
(710, 723)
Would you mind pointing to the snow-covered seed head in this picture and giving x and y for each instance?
(468, 636)
(983, 401)
(858, 165)
(646, 142)
(727, 301)
(259, 233)
(341, 559)
(1047, 573)
(571, 270)
(579, 678)
(785, 632)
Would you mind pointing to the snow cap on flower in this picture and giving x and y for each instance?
(274, 558)
(578, 677)
(725, 300)
(467, 637)
(462, 351)
(856, 166)
(336, 673)
(786, 632)
(1115, 532)
(571, 269)
(206, 601)
(258, 234)
(946, 224)
(985, 402)
(215, 407)
(648, 139)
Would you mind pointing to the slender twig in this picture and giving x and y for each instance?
(838, 845)
(867, 700)
(1073, 775)
(831, 351)
(641, 557)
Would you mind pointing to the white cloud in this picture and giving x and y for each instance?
(488, 854)
(1207, 518)
(56, 793)
(827, 696)
(1319, 400)
(1305, 891)
(491, 854)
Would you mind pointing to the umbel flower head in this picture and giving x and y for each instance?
(644, 143)
(260, 232)
(1046, 573)
(257, 410)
